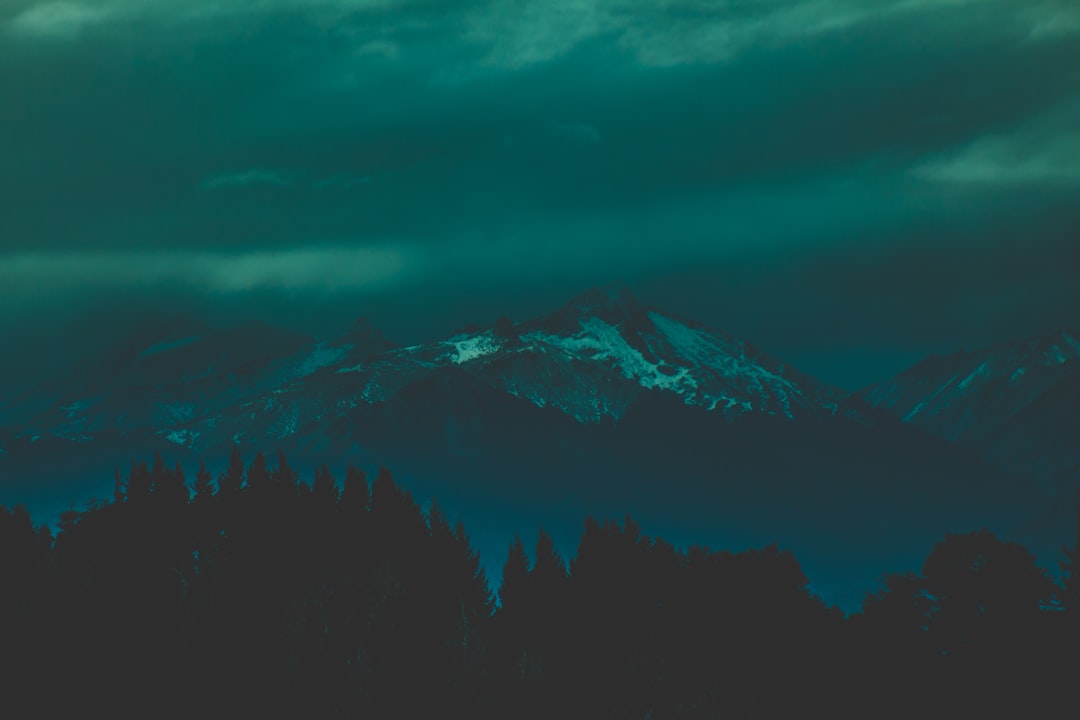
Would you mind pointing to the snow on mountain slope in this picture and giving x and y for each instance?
(608, 329)
(590, 359)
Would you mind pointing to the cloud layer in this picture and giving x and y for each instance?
(351, 269)
(895, 151)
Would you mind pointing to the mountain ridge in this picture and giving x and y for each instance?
(589, 358)
(1015, 403)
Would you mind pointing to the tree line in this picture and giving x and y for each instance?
(258, 593)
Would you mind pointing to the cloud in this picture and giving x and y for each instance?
(1004, 161)
(1051, 22)
(578, 132)
(1043, 152)
(328, 269)
(247, 178)
(663, 33)
(693, 33)
(515, 141)
(309, 269)
(58, 19)
(524, 33)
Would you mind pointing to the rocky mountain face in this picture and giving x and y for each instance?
(201, 388)
(1016, 404)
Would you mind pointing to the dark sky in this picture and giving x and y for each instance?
(849, 184)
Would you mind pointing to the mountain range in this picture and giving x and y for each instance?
(603, 406)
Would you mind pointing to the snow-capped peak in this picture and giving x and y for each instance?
(591, 359)
(607, 328)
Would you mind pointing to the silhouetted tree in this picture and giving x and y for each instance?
(1071, 572)
(230, 481)
(968, 631)
(284, 477)
(118, 487)
(204, 484)
(984, 591)
(266, 600)
(258, 475)
(171, 490)
(354, 495)
(139, 483)
(515, 577)
(324, 491)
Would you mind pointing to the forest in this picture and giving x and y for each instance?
(259, 593)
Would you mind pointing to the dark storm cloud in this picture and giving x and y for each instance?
(918, 155)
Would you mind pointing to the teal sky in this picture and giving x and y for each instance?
(849, 184)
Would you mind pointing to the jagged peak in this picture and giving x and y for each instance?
(364, 334)
(613, 294)
(613, 303)
(1061, 341)
(1063, 333)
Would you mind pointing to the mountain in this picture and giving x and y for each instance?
(591, 359)
(162, 374)
(602, 407)
(1017, 404)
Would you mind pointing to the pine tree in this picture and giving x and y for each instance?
(232, 479)
(352, 538)
(514, 620)
(324, 490)
(514, 590)
(171, 489)
(354, 496)
(139, 483)
(549, 572)
(284, 477)
(397, 522)
(384, 491)
(1071, 571)
(204, 484)
(119, 491)
(205, 524)
(157, 472)
(475, 608)
(258, 476)
(549, 583)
